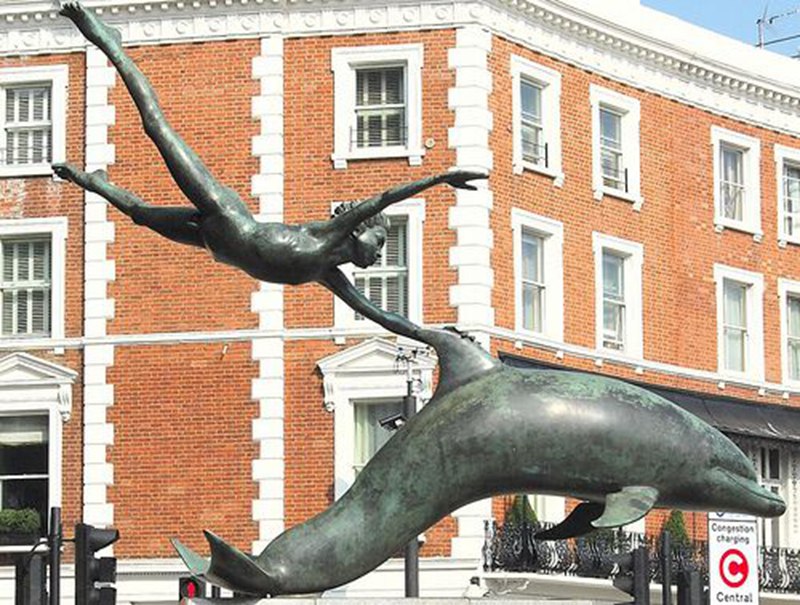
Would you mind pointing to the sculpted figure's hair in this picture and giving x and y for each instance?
(376, 220)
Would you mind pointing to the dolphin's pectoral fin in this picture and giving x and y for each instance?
(198, 566)
(231, 568)
(626, 506)
(578, 522)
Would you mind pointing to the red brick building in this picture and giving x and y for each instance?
(640, 221)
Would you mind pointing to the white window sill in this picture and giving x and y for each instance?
(784, 241)
(634, 198)
(557, 175)
(614, 354)
(721, 224)
(379, 153)
(27, 170)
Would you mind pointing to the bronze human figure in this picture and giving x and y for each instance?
(220, 220)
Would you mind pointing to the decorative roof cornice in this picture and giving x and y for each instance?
(645, 49)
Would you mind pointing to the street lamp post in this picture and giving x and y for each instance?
(407, 357)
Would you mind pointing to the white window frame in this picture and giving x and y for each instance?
(754, 351)
(785, 155)
(552, 233)
(786, 288)
(550, 82)
(56, 229)
(633, 254)
(367, 371)
(751, 168)
(414, 211)
(33, 386)
(344, 63)
(58, 78)
(630, 111)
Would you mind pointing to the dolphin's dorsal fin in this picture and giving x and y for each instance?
(578, 523)
(626, 506)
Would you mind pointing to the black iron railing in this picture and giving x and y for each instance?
(512, 548)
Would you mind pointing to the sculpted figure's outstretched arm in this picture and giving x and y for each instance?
(458, 357)
(337, 282)
(344, 224)
(187, 169)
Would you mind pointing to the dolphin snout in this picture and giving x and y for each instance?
(774, 506)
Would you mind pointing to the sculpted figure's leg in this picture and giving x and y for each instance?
(188, 170)
(180, 224)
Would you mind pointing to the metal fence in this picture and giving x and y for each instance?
(513, 548)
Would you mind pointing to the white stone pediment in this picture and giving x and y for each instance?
(373, 355)
(19, 368)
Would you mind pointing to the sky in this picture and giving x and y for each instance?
(737, 18)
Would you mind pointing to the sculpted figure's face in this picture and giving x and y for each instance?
(368, 247)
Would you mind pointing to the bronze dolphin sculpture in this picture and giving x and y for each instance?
(492, 429)
(489, 429)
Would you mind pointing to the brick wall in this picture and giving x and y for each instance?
(206, 91)
(183, 446)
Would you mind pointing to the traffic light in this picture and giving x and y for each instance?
(190, 588)
(90, 570)
(634, 575)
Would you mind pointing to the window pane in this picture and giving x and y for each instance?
(380, 107)
(370, 436)
(791, 198)
(611, 129)
(26, 286)
(386, 282)
(732, 185)
(23, 445)
(532, 248)
(532, 307)
(531, 97)
(734, 349)
(611, 159)
(613, 276)
(734, 310)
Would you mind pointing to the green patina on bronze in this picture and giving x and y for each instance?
(489, 429)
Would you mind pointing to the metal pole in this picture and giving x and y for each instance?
(666, 569)
(412, 548)
(54, 539)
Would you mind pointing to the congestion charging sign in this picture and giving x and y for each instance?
(732, 558)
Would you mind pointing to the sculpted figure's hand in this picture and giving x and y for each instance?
(459, 178)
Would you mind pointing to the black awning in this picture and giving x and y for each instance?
(728, 414)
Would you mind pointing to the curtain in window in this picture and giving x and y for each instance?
(791, 198)
(28, 126)
(793, 334)
(532, 281)
(25, 287)
(732, 185)
(370, 436)
(735, 325)
(380, 107)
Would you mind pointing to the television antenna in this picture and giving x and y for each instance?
(766, 20)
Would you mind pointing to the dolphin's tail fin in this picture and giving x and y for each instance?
(228, 567)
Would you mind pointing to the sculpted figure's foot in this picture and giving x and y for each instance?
(91, 27)
(68, 172)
